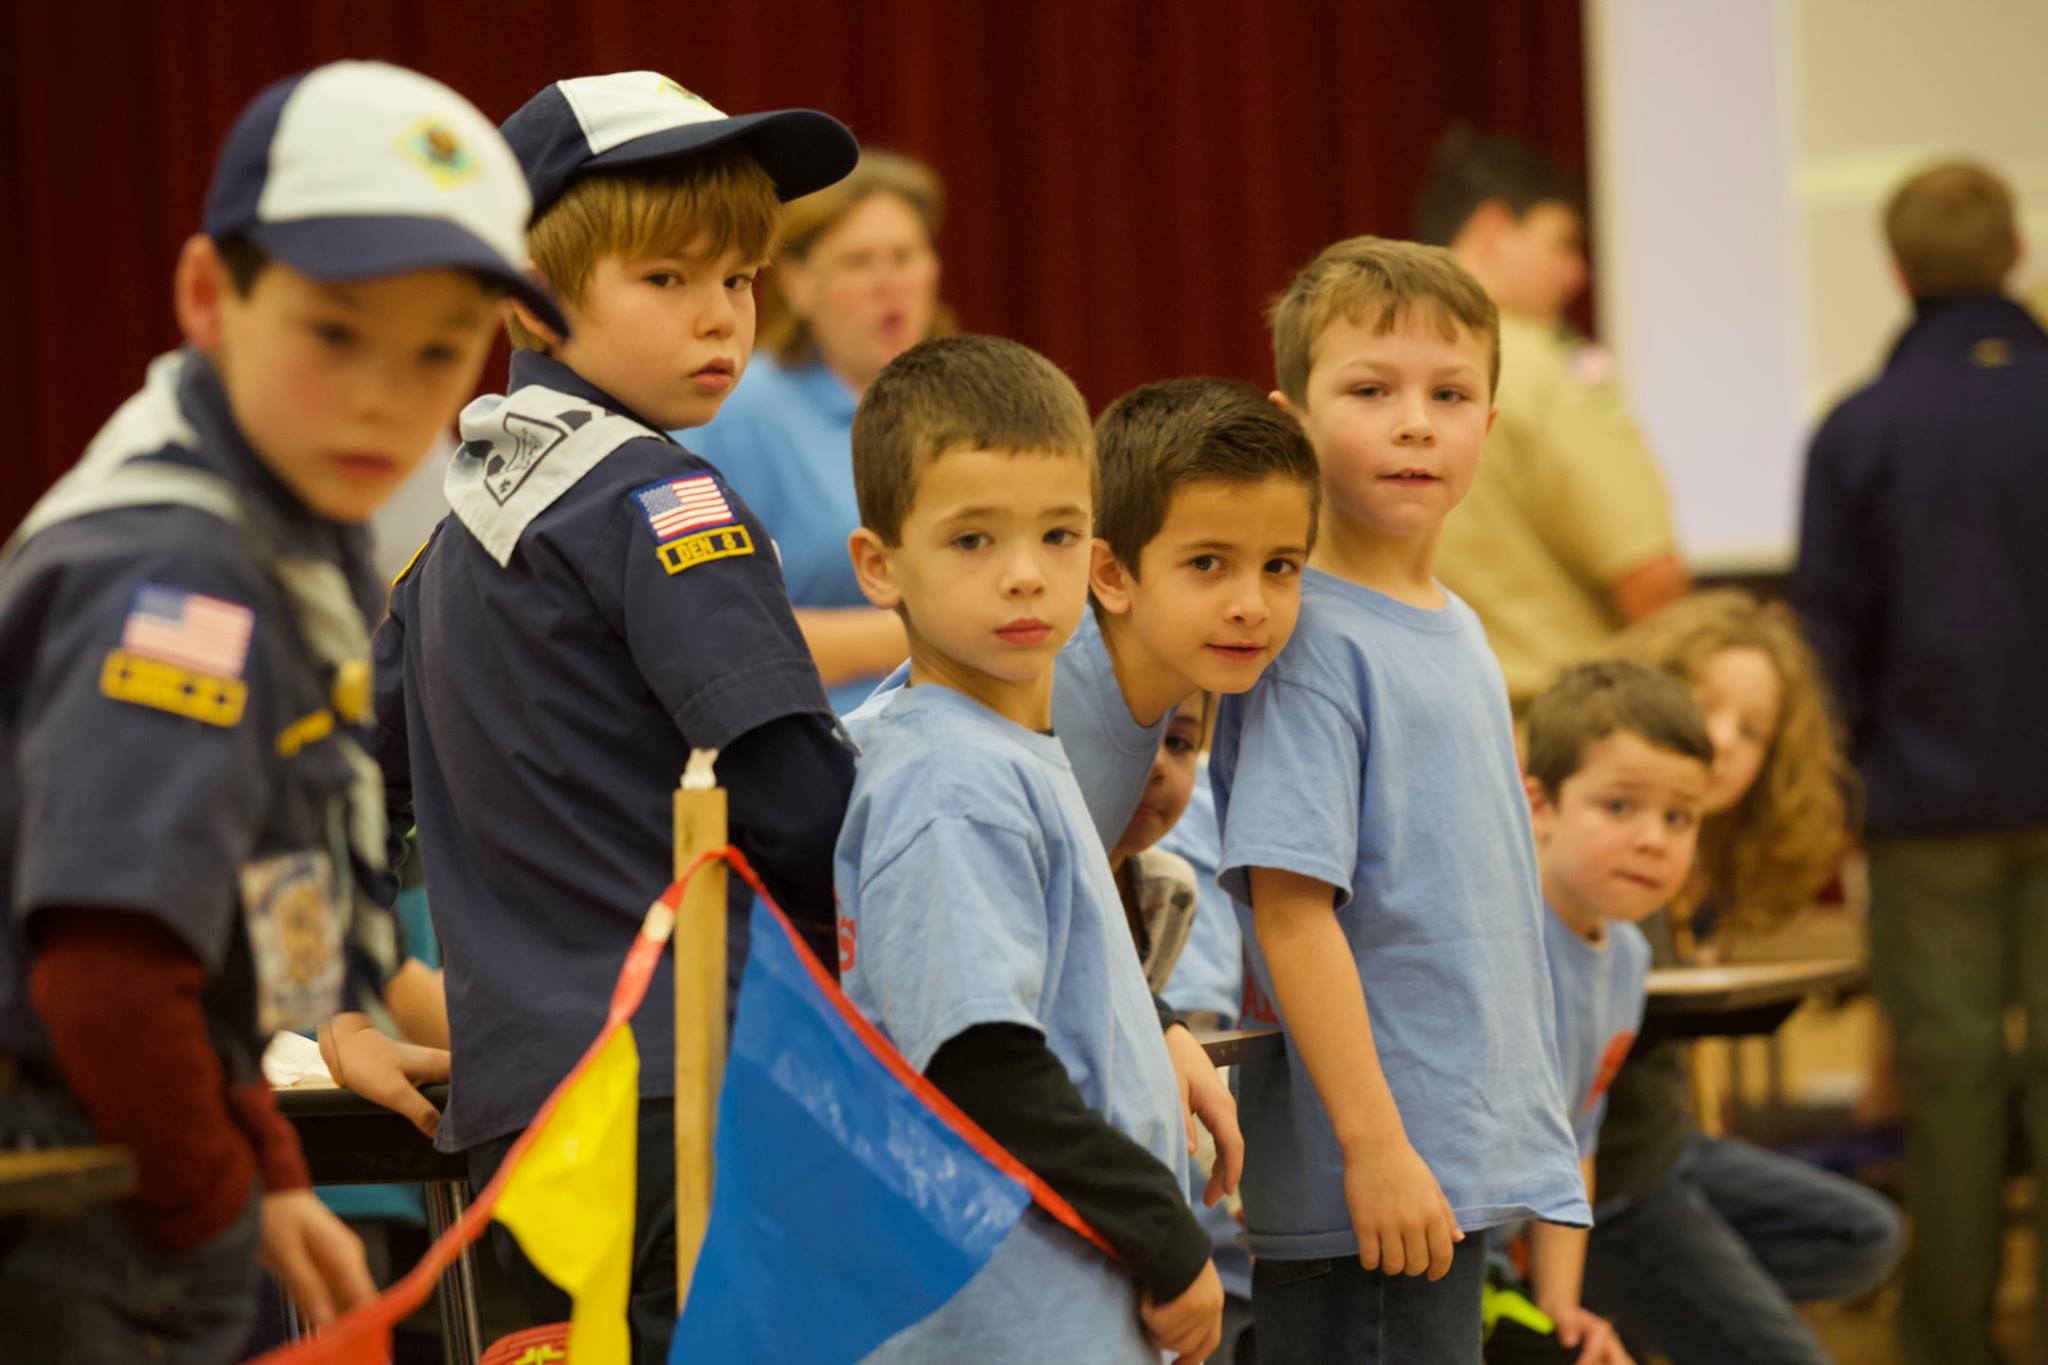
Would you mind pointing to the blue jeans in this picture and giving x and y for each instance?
(87, 1289)
(1334, 1311)
(1705, 1268)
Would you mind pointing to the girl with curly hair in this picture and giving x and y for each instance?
(1701, 1246)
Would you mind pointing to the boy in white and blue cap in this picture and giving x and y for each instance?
(187, 816)
(598, 604)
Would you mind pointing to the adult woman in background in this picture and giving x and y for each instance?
(855, 285)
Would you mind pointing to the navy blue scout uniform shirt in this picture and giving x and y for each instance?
(588, 614)
(166, 741)
(1923, 571)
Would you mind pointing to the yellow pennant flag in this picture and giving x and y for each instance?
(569, 1201)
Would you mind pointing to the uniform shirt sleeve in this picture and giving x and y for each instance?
(126, 805)
(1295, 790)
(1596, 495)
(713, 636)
(388, 740)
(1833, 586)
(789, 781)
(951, 932)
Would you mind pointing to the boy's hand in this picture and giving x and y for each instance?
(1206, 1096)
(1192, 1325)
(1403, 1221)
(314, 1256)
(1591, 1335)
(384, 1070)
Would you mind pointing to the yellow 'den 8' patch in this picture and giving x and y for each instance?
(701, 548)
(169, 687)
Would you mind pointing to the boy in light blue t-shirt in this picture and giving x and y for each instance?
(1377, 843)
(1616, 778)
(980, 926)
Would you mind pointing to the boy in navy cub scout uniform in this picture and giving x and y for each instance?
(189, 821)
(1923, 579)
(598, 604)
(1617, 779)
(985, 934)
(1376, 841)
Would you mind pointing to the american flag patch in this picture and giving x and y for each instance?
(677, 506)
(205, 634)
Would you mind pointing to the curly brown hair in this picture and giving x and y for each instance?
(1765, 859)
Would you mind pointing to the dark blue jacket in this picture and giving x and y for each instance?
(1923, 571)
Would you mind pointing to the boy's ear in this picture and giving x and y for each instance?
(1284, 403)
(1541, 811)
(199, 290)
(1107, 579)
(530, 320)
(871, 567)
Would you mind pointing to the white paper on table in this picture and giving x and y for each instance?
(293, 1059)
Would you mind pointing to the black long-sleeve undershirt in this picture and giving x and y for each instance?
(1006, 1079)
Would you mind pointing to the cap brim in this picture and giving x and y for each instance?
(801, 149)
(365, 246)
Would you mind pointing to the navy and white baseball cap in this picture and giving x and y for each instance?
(360, 169)
(632, 117)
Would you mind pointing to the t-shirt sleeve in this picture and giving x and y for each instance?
(951, 932)
(1295, 790)
(693, 580)
(1600, 501)
(143, 743)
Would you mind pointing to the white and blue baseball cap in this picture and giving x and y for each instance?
(360, 169)
(630, 118)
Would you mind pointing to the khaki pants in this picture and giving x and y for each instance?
(1959, 936)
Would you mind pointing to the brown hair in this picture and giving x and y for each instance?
(1951, 230)
(1160, 436)
(1765, 859)
(706, 204)
(805, 220)
(1378, 281)
(1473, 168)
(952, 393)
(1589, 702)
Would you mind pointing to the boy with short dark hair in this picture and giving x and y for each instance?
(1922, 575)
(189, 822)
(598, 604)
(1616, 778)
(984, 933)
(1567, 533)
(1377, 843)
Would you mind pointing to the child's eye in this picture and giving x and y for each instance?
(970, 540)
(663, 279)
(1369, 390)
(1679, 820)
(440, 354)
(1282, 568)
(1180, 744)
(741, 282)
(1206, 563)
(1450, 396)
(1062, 536)
(335, 333)
(1618, 805)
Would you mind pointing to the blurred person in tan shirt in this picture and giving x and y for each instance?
(1566, 535)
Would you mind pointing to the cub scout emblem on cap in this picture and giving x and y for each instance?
(692, 522)
(430, 143)
(182, 652)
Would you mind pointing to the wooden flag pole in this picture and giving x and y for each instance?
(700, 1005)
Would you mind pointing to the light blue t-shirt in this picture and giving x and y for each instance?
(1600, 990)
(1112, 754)
(1209, 978)
(1376, 755)
(784, 441)
(974, 892)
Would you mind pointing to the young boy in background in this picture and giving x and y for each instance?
(1617, 759)
(1376, 840)
(183, 809)
(985, 935)
(597, 605)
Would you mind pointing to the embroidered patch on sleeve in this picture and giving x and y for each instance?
(153, 683)
(692, 522)
(205, 634)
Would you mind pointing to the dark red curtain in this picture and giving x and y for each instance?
(1129, 182)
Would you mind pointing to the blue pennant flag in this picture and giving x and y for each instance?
(852, 1198)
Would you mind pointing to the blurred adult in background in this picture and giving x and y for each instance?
(1923, 578)
(855, 284)
(1566, 535)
